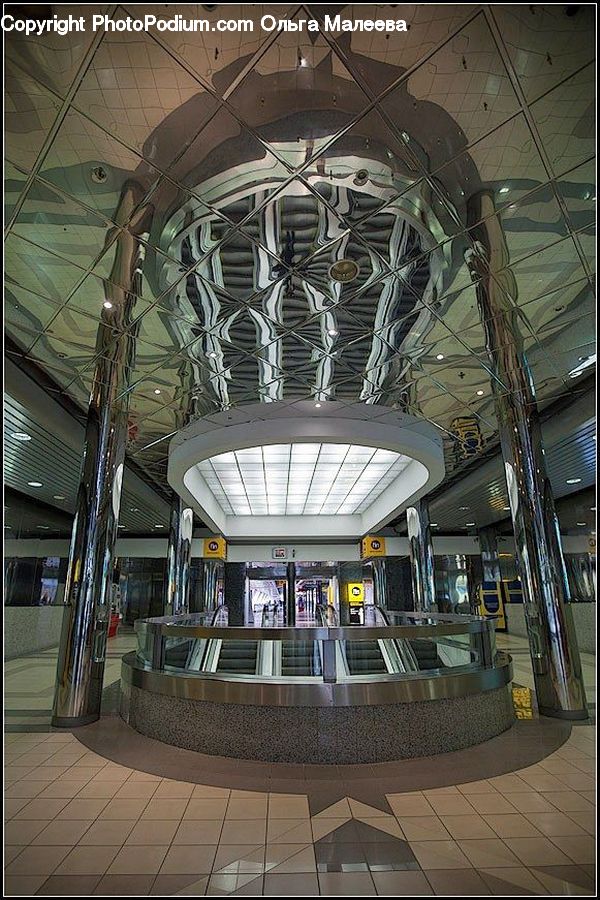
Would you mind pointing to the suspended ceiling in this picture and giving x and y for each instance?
(258, 162)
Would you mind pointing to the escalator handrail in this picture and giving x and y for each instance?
(324, 611)
(407, 654)
(222, 607)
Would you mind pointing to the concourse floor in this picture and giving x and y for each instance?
(105, 811)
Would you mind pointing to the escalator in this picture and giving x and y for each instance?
(426, 654)
(365, 658)
(238, 657)
(300, 658)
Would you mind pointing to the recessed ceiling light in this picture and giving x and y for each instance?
(45, 527)
(506, 508)
(480, 393)
(59, 497)
(440, 356)
(34, 483)
(582, 524)
(332, 332)
(434, 524)
(212, 354)
(463, 507)
(107, 304)
(344, 270)
(135, 509)
(317, 406)
(121, 526)
(159, 526)
(469, 524)
(157, 390)
(573, 480)
(504, 190)
(21, 436)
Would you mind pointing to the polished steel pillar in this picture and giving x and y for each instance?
(177, 600)
(291, 593)
(82, 650)
(488, 548)
(379, 582)
(421, 556)
(212, 571)
(554, 652)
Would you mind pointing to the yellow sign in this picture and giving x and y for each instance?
(356, 592)
(492, 604)
(372, 545)
(521, 697)
(215, 548)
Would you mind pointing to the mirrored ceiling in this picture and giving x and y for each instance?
(298, 207)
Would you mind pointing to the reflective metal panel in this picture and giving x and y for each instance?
(421, 555)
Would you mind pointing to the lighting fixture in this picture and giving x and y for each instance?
(440, 356)
(159, 526)
(480, 393)
(157, 390)
(212, 354)
(107, 304)
(134, 508)
(45, 527)
(21, 436)
(504, 190)
(463, 508)
(58, 497)
(332, 332)
(317, 406)
(593, 508)
(469, 524)
(582, 524)
(34, 483)
(433, 524)
(300, 479)
(506, 508)
(344, 270)
(573, 480)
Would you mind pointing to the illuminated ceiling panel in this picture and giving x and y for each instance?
(300, 479)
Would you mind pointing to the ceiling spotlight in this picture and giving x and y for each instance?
(506, 508)
(212, 354)
(344, 271)
(469, 524)
(434, 524)
(463, 507)
(21, 436)
(45, 527)
(582, 524)
(332, 332)
(34, 483)
(504, 190)
(317, 406)
(159, 526)
(440, 356)
(480, 393)
(107, 304)
(58, 497)
(157, 390)
(573, 480)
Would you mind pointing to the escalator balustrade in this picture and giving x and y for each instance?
(426, 654)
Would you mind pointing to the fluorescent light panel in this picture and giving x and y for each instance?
(300, 479)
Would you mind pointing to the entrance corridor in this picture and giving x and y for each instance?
(107, 811)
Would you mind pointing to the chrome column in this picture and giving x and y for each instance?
(212, 570)
(82, 652)
(421, 556)
(379, 582)
(177, 600)
(488, 548)
(552, 642)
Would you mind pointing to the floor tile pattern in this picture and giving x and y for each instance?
(80, 823)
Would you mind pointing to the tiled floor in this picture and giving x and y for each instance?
(79, 823)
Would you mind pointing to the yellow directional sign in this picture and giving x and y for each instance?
(215, 548)
(356, 592)
(371, 545)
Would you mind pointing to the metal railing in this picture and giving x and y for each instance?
(472, 639)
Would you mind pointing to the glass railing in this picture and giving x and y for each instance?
(397, 645)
